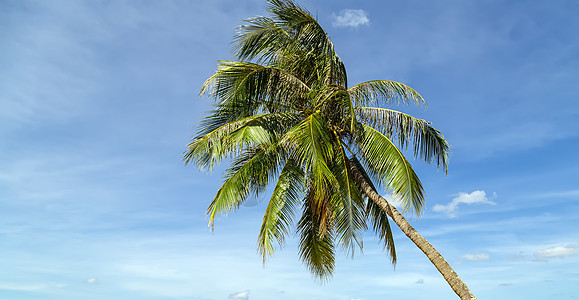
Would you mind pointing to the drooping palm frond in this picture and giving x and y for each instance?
(383, 157)
(260, 39)
(427, 141)
(312, 149)
(278, 216)
(316, 247)
(214, 142)
(217, 141)
(244, 88)
(350, 219)
(249, 173)
(377, 92)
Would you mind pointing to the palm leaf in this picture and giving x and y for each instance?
(280, 209)
(293, 40)
(377, 92)
(311, 144)
(217, 141)
(385, 159)
(316, 247)
(428, 142)
(261, 39)
(211, 147)
(349, 203)
(248, 87)
(249, 173)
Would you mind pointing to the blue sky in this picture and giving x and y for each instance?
(99, 99)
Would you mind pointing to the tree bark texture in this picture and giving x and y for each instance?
(433, 255)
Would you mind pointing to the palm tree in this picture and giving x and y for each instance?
(284, 116)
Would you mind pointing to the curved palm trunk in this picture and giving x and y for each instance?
(433, 255)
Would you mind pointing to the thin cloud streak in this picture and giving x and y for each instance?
(476, 257)
(559, 194)
(558, 252)
(22, 287)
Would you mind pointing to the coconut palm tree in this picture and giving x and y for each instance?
(285, 117)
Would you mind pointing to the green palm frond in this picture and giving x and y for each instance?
(343, 111)
(427, 141)
(312, 149)
(217, 141)
(293, 40)
(247, 87)
(249, 173)
(385, 159)
(284, 200)
(213, 146)
(377, 92)
(316, 248)
(260, 39)
(349, 202)
(328, 96)
(304, 29)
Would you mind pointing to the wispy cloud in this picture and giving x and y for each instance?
(451, 209)
(351, 18)
(476, 257)
(21, 287)
(559, 194)
(56, 70)
(420, 281)
(506, 284)
(559, 251)
(514, 137)
(158, 271)
(240, 295)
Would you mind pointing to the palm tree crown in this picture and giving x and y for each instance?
(285, 116)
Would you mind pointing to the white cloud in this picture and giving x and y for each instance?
(475, 257)
(351, 18)
(91, 280)
(476, 197)
(560, 251)
(420, 281)
(240, 295)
